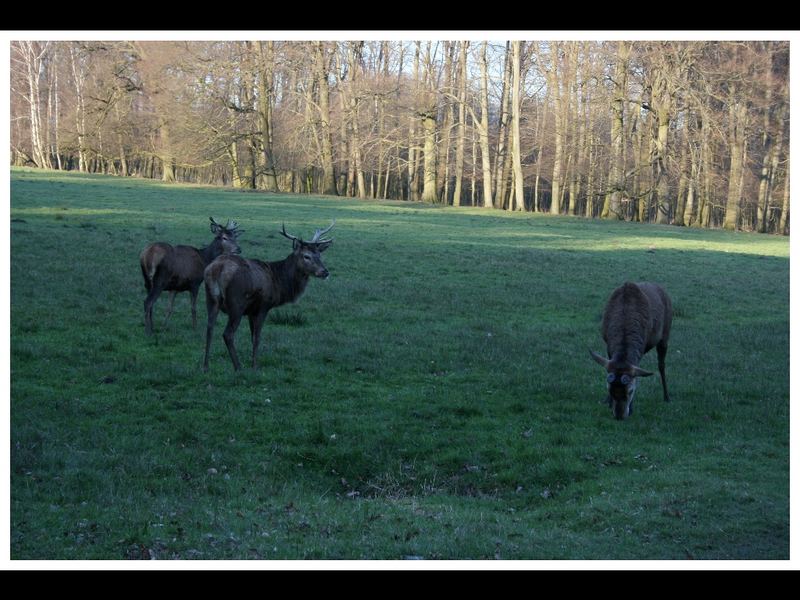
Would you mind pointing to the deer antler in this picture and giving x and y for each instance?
(286, 235)
(233, 228)
(317, 239)
(320, 232)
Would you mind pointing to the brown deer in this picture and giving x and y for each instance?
(180, 268)
(239, 287)
(637, 317)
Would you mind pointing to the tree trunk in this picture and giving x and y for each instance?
(501, 160)
(167, 159)
(462, 115)
(60, 166)
(683, 184)
(445, 126)
(590, 178)
(662, 177)
(250, 168)
(737, 115)
(769, 165)
(34, 54)
(474, 178)
(484, 130)
(123, 157)
(266, 99)
(688, 210)
(704, 162)
(326, 143)
(413, 153)
(354, 52)
(784, 222)
(79, 78)
(589, 151)
(429, 190)
(540, 149)
(516, 158)
(776, 153)
(576, 122)
(233, 158)
(616, 175)
(558, 157)
(379, 115)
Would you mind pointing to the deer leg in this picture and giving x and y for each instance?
(661, 348)
(213, 311)
(152, 296)
(193, 292)
(228, 335)
(256, 323)
(170, 307)
(147, 283)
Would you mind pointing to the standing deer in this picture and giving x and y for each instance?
(239, 287)
(180, 268)
(637, 317)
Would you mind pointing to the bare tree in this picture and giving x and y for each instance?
(461, 125)
(266, 101)
(326, 144)
(619, 84)
(554, 83)
(427, 115)
(519, 194)
(484, 129)
(693, 133)
(29, 59)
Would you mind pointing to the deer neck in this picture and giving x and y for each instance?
(291, 280)
(627, 354)
(210, 252)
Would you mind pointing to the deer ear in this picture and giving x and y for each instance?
(296, 245)
(322, 246)
(215, 227)
(637, 372)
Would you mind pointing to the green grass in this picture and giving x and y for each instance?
(434, 398)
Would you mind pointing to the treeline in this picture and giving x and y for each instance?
(690, 133)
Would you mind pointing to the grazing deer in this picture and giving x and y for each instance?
(637, 317)
(180, 268)
(239, 287)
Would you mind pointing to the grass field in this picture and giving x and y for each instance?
(433, 399)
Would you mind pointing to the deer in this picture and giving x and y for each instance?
(180, 268)
(252, 287)
(637, 317)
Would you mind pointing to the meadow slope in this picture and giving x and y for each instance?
(434, 398)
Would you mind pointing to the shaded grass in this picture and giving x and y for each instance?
(433, 398)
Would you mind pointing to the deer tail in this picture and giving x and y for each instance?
(216, 282)
(149, 260)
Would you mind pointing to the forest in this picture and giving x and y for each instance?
(689, 133)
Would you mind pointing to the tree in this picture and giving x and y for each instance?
(516, 91)
(619, 85)
(461, 125)
(29, 59)
(693, 133)
(428, 114)
(554, 83)
(266, 100)
(326, 143)
(483, 130)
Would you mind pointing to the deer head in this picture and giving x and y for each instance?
(621, 380)
(226, 236)
(307, 254)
